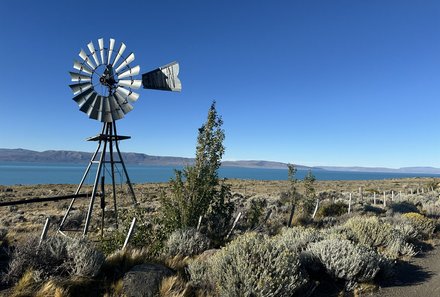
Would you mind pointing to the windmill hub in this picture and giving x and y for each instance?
(108, 77)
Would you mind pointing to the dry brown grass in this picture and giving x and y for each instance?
(52, 288)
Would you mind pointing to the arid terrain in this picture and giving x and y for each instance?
(26, 218)
(412, 274)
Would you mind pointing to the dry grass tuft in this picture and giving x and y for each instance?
(27, 284)
(124, 260)
(177, 262)
(52, 288)
(173, 286)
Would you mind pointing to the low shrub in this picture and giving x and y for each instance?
(46, 260)
(186, 242)
(424, 226)
(403, 207)
(378, 234)
(56, 256)
(251, 265)
(331, 209)
(345, 260)
(83, 258)
(297, 238)
(373, 209)
(256, 211)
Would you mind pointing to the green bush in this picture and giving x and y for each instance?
(197, 190)
(331, 210)
(256, 211)
(345, 260)
(403, 207)
(186, 242)
(251, 265)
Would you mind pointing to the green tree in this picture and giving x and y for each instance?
(197, 190)
(292, 192)
(310, 192)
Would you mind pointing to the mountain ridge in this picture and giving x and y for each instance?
(76, 157)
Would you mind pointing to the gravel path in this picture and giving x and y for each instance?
(418, 277)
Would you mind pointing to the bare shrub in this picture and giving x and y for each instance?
(345, 260)
(251, 265)
(186, 242)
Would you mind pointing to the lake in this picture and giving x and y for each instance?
(37, 173)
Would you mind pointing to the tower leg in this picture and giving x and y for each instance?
(133, 196)
(81, 183)
(113, 172)
(95, 184)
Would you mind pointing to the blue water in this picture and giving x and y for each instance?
(36, 173)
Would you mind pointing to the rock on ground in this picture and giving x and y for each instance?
(144, 280)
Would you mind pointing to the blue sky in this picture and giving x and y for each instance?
(310, 82)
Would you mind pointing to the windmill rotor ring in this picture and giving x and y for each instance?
(105, 81)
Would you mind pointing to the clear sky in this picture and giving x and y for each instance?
(311, 82)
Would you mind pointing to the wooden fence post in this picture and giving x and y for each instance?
(384, 199)
(374, 198)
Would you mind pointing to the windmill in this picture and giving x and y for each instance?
(104, 84)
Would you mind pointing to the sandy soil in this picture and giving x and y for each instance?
(420, 276)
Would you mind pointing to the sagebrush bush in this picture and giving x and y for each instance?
(251, 265)
(344, 260)
(425, 226)
(83, 258)
(432, 209)
(46, 260)
(56, 256)
(375, 233)
(297, 238)
(186, 242)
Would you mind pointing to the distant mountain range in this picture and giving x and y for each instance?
(60, 156)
